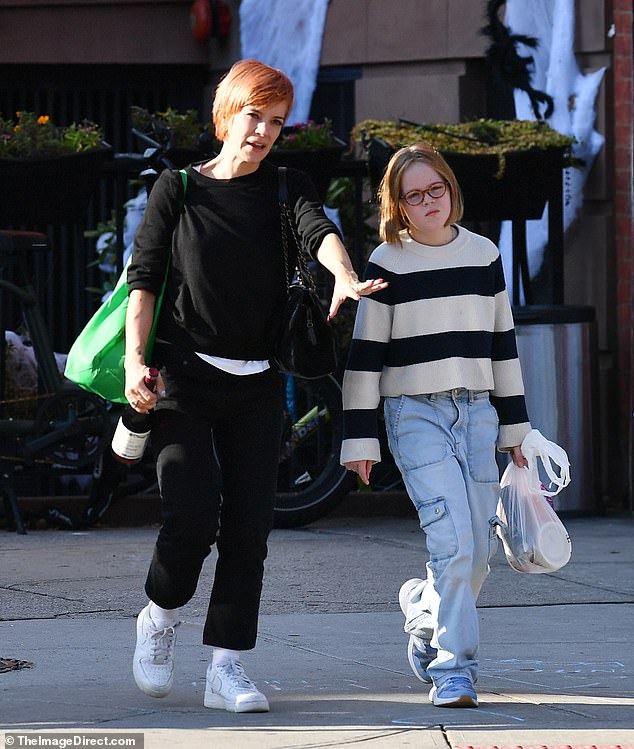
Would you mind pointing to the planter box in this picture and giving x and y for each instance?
(530, 179)
(318, 164)
(48, 191)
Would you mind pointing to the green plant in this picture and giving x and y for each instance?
(341, 195)
(179, 129)
(35, 136)
(484, 136)
(105, 236)
(307, 136)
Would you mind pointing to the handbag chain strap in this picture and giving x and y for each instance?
(288, 222)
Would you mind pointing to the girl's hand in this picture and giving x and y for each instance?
(518, 458)
(362, 468)
(139, 395)
(348, 286)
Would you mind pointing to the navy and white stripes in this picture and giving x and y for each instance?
(443, 322)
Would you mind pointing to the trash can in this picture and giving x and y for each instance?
(557, 349)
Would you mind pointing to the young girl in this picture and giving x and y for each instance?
(438, 343)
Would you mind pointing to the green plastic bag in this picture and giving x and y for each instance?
(95, 360)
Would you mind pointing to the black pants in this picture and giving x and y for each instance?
(229, 502)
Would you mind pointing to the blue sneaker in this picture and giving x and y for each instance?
(420, 654)
(456, 691)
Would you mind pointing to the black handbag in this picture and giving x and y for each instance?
(306, 343)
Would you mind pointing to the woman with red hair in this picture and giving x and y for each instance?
(217, 427)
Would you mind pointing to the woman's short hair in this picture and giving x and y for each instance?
(249, 82)
(392, 218)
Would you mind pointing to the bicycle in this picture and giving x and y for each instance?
(67, 428)
(70, 427)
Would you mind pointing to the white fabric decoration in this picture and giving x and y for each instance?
(556, 72)
(286, 34)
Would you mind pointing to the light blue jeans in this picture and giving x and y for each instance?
(444, 447)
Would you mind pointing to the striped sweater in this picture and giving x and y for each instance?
(443, 322)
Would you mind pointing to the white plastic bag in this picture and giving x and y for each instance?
(534, 538)
(535, 446)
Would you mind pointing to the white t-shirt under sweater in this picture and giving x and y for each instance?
(443, 322)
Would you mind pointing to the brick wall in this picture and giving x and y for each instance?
(622, 135)
(96, 32)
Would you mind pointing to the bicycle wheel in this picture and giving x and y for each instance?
(310, 481)
(68, 429)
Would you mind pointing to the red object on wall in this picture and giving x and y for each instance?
(210, 18)
(201, 20)
(623, 73)
(223, 18)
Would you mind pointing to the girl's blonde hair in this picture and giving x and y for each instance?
(392, 217)
(249, 82)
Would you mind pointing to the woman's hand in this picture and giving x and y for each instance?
(348, 286)
(518, 457)
(333, 256)
(139, 395)
(362, 468)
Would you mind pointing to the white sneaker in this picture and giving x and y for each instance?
(153, 665)
(420, 654)
(229, 688)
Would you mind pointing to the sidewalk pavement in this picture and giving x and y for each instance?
(556, 655)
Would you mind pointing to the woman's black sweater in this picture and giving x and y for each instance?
(225, 291)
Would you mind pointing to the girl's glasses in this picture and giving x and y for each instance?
(416, 197)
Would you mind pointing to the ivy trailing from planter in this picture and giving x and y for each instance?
(480, 137)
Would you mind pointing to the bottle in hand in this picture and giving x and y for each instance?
(133, 429)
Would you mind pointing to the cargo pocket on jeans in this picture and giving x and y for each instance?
(440, 532)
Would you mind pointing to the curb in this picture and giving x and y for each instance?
(144, 509)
